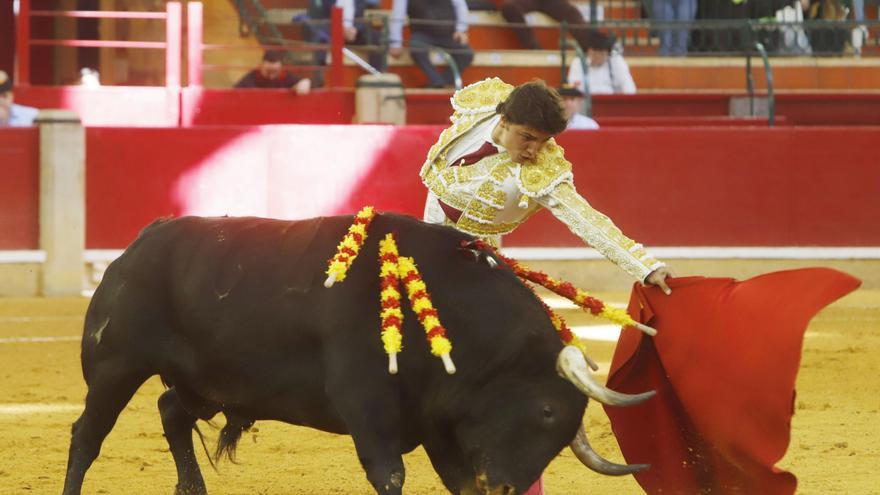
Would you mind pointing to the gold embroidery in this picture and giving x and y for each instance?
(547, 171)
(491, 194)
(482, 212)
(599, 231)
(437, 154)
(502, 171)
(481, 96)
(474, 227)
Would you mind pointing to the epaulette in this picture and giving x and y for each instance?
(480, 97)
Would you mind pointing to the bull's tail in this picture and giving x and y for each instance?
(230, 435)
(205, 445)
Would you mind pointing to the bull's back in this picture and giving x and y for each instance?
(202, 285)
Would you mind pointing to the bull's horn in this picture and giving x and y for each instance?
(572, 366)
(588, 457)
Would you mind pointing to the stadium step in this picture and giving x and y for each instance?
(662, 74)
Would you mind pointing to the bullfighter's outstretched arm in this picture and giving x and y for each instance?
(597, 230)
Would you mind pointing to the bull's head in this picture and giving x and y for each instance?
(515, 426)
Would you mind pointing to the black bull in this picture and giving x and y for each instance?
(233, 315)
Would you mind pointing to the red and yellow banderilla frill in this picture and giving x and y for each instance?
(391, 316)
(420, 301)
(348, 248)
(570, 292)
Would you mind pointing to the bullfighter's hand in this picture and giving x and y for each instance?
(395, 51)
(350, 33)
(461, 37)
(658, 278)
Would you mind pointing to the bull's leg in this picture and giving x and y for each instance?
(109, 391)
(449, 462)
(378, 449)
(178, 425)
(370, 413)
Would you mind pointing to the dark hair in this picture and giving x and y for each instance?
(273, 56)
(5, 82)
(536, 105)
(597, 40)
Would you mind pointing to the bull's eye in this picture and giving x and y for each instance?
(547, 412)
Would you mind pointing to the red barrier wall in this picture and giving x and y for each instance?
(157, 107)
(727, 187)
(108, 105)
(136, 175)
(201, 106)
(653, 108)
(19, 189)
(664, 187)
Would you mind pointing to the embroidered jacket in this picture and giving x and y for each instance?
(495, 195)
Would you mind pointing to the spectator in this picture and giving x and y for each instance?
(674, 40)
(572, 99)
(355, 30)
(13, 115)
(271, 74)
(514, 11)
(860, 32)
(715, 38)
(608, 72)
(439, 23)
(827, 38)
(4, 116)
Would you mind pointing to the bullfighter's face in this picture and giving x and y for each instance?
(522, 142)
(512, 432)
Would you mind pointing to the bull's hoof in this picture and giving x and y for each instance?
(190, 490)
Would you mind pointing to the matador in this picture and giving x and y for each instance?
(498, 164)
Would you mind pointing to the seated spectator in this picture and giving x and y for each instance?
(608, 72)
(732, 37)
(572, 103)
(514, 11)
(271, 74)
(438, 23)
(828, 38)
(13, 115)
(355, 30)
(674, 40)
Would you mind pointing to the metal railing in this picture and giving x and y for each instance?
(172, 44)
(564, 46)
(750, 84)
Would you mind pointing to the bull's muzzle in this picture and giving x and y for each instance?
(483, 487)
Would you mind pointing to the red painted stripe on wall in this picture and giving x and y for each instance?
(19, 188)
(664, 187)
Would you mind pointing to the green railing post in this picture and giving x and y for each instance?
(563, 33)
(585, 67)
(750, 83)
(771, 99)
(384, 43)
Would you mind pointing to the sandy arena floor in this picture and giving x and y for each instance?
(835, 444)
